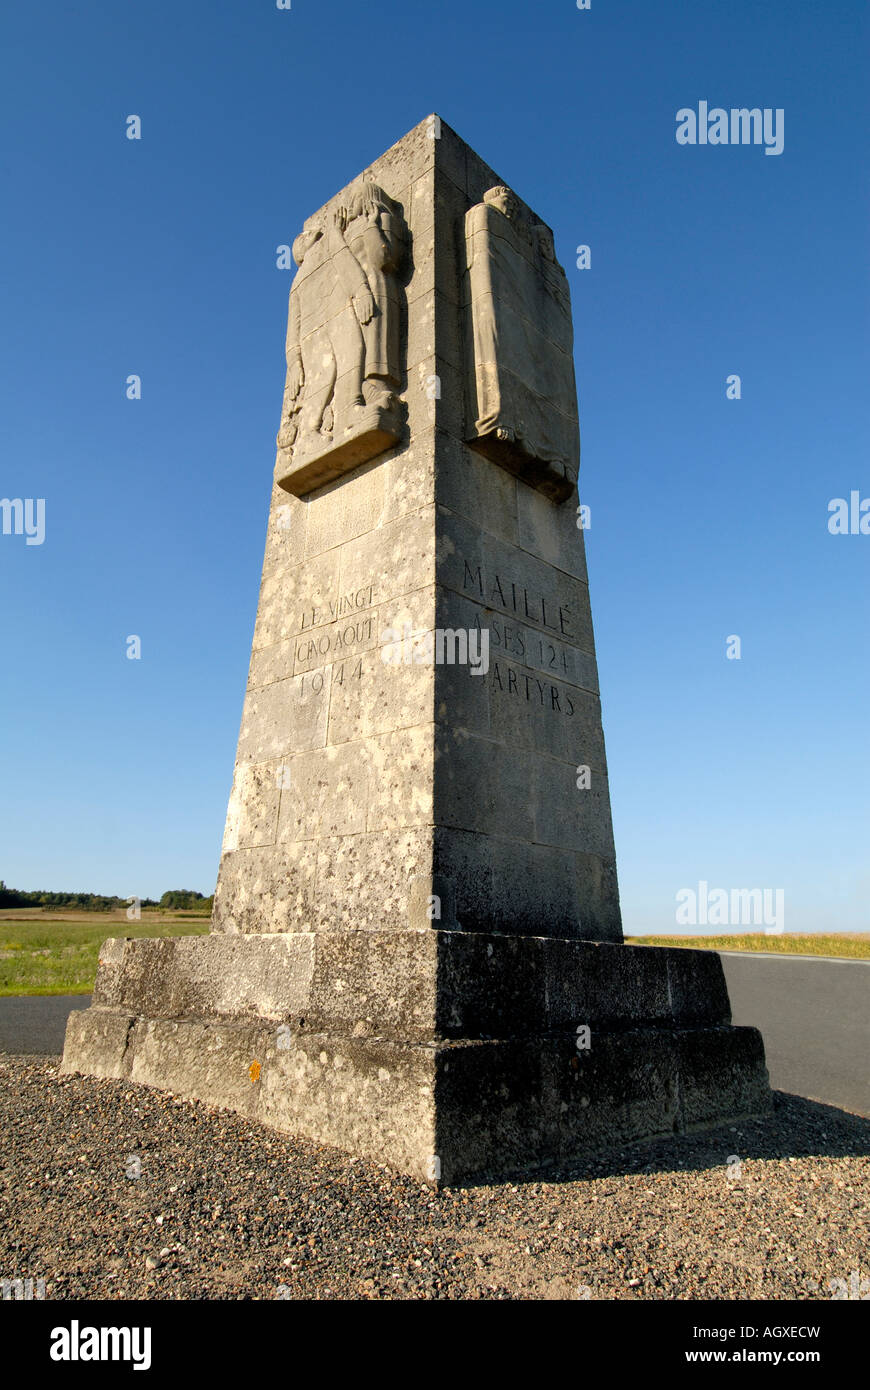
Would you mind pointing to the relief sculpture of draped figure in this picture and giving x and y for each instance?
(344, 367)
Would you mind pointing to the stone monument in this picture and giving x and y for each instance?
(416, 952)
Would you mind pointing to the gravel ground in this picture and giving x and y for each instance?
(223, 1209)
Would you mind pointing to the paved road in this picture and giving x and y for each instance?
(37, 1023)
(814, 1016)
(813, 1012)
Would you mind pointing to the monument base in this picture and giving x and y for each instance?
(451, 1056)
(376, 429)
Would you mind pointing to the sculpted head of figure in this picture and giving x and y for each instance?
(367, 200)
(312, 231)
(504, 200)
(545, 241)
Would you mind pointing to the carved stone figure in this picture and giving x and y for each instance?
(343, 340)
(523, 394)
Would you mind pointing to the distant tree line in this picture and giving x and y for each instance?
(182, 897)
(97, 902)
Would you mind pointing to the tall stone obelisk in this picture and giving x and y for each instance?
(416, 949)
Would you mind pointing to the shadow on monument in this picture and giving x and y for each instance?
(795, 1128)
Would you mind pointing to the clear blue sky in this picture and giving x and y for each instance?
(709, 516)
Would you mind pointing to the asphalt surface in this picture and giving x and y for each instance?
(36, 1023)
(813, 1013)
(814, 1016)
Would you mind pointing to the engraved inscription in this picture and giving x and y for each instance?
(526, 685)
(497, 590)
(329, 632)
(330, 643)
(349, 602)
(530, 647)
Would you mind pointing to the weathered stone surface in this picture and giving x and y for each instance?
(524, 403)
(417, 905)
(96, 1042)
(375, 881)
(444, 1112)
(266, 890)
(236, 976)
(510, 1106)
(553, 534)
(421, 984)
(370, 1096)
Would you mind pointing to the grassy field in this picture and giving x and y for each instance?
(55, 952)
(854, 945)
